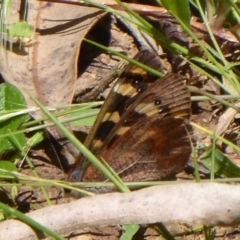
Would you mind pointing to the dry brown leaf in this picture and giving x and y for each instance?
(48, 68)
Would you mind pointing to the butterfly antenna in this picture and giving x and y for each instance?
(54, 150)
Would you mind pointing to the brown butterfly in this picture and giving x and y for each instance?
(142, 130)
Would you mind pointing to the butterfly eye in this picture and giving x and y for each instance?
(158, 101)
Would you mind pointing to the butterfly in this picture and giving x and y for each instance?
(143, 128)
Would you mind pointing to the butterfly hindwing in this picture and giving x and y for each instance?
(151, 150)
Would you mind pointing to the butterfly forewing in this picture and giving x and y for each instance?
(166, 97)
(132, 82)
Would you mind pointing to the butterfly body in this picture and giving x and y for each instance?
(142, 130)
